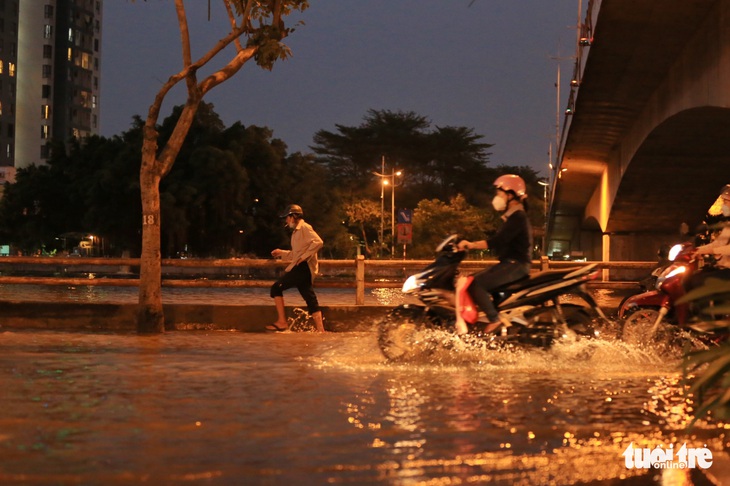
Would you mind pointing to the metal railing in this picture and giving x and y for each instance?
(359, 274)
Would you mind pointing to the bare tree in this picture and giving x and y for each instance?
(257, 31)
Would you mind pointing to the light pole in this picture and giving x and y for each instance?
(388, 180)
(392, 176)
(382, 204)
(545, 215)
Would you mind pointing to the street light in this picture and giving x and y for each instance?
(388, 180)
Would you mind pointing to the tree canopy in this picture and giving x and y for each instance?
(229, 184)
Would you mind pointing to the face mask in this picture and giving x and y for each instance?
(726, 210)
(499, 203)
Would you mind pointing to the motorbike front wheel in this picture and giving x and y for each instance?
(403, 335)
(639, 327)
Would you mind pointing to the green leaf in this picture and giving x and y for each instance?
(712, 286)
(713, 374)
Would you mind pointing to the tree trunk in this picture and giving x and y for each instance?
(150, 317)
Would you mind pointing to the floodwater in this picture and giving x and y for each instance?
(174, 295)
(229, 408)
(607, 298)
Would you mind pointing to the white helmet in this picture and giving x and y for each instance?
(513, 183)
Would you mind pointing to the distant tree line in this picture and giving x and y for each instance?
(229, 184)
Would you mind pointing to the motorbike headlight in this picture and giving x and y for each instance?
(673, 252)
(669, 272)
(410, 285)
(676, 271)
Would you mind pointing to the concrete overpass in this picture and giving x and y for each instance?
(647, 145)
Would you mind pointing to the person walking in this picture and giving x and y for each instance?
(303, 266)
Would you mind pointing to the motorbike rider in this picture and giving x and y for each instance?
(512, 244)
(719, 247)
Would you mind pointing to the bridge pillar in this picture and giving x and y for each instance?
(606, 256)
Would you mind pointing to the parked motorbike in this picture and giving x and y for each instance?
(535, 310)
(659, 314)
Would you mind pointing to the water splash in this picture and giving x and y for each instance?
(446, 350)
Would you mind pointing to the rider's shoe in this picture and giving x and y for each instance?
(490, 327)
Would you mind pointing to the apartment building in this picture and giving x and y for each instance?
(50, 65)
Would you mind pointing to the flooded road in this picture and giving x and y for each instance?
(228, 408)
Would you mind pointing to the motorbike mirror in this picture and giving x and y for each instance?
(448, 243)
(673, 252)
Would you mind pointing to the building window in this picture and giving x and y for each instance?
(46, 91)
(44, 151)
(96, 45)
(47, 51)
(48, 11)
(11, 69)
(46, 70)
(2, 66)
(11, 130)
(47, 31)
(93, 101)
(9, 150)
(70, 35)
(70, 54)
(46, 112)
(45, 132)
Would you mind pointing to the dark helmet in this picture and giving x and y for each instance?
(292, 210)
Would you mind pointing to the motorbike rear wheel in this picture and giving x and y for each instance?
(403, 335)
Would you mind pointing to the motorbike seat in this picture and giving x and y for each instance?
(535, 280)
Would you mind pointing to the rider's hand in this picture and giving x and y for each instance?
(463, 245)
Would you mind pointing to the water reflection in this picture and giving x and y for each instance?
(227, 296)
(235, 408)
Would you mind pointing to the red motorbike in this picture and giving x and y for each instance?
(659, 313)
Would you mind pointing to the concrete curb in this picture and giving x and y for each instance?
(122, 317)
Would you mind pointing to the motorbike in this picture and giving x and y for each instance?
(535, 311)
(661, 313)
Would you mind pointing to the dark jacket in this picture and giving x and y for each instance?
(514, 239)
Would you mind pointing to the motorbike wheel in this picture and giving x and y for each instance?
(402, 335)
(580, 322)
(638, 327)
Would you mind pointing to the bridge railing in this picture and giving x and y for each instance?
(359, 273)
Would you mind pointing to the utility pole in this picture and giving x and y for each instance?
(382, 206)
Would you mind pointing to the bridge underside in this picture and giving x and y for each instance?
(676, 174)
(671, 176)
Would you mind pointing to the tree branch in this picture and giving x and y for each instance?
(228, 70)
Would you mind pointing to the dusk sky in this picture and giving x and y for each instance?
(488, 65)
